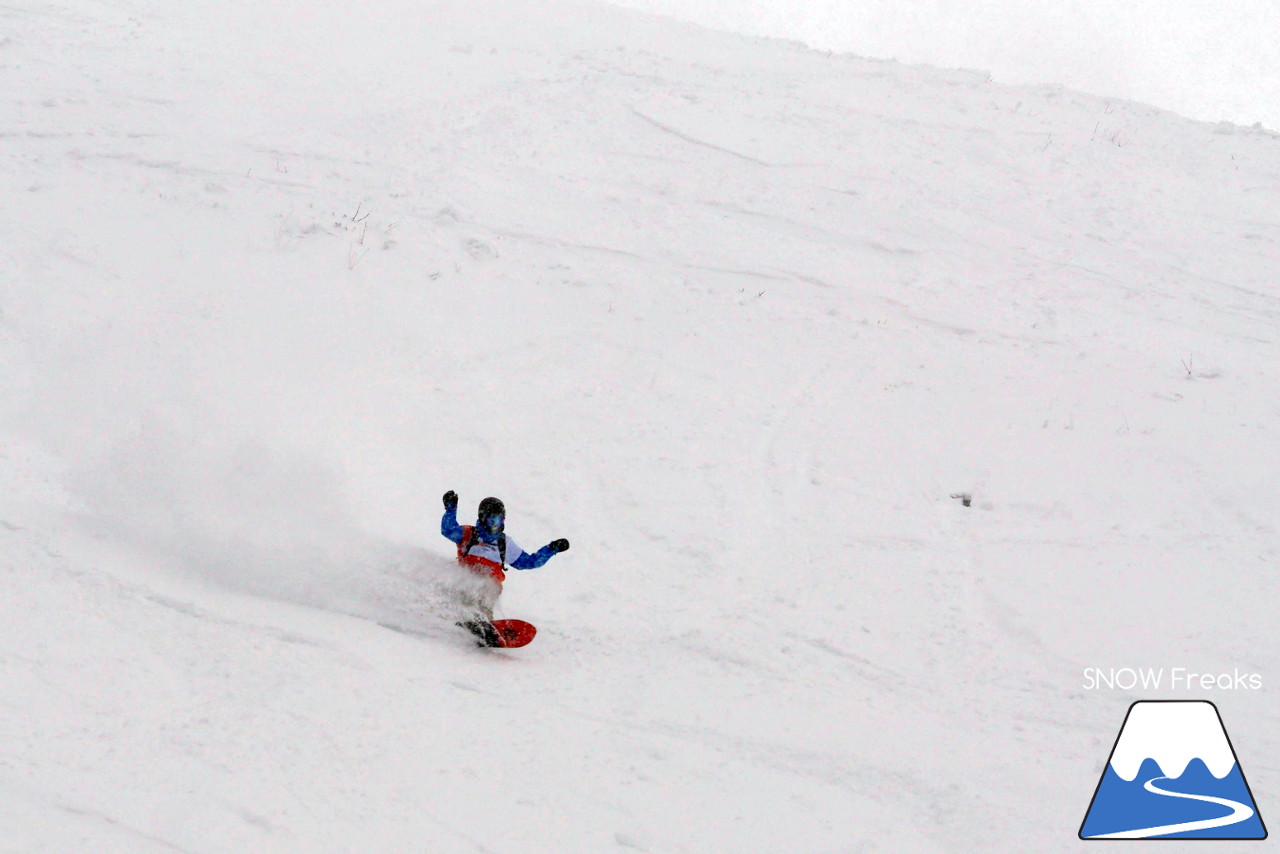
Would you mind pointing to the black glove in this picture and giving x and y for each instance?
(451, 500)
(560, 545)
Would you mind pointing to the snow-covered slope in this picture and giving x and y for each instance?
(736, 318)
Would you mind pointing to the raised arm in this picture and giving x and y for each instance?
(449, 522)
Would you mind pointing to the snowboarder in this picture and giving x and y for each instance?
(486, 550)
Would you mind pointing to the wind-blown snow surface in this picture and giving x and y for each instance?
(735, 318)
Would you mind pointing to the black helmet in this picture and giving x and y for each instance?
(492, 514)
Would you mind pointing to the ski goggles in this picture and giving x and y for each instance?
(493, 523)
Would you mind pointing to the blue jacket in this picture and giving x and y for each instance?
(486, 547)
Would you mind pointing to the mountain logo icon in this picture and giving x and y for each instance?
(1173, 774)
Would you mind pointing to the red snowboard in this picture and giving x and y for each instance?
(507, 634)
(514, 633)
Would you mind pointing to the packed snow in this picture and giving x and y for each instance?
(738, 319)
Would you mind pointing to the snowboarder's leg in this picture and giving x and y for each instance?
(479, 606)
(487, 599)
(477, 598)
(484, 632)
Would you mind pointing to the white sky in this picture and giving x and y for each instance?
(1216, 60)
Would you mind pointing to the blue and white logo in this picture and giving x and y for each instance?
(1173, 774)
